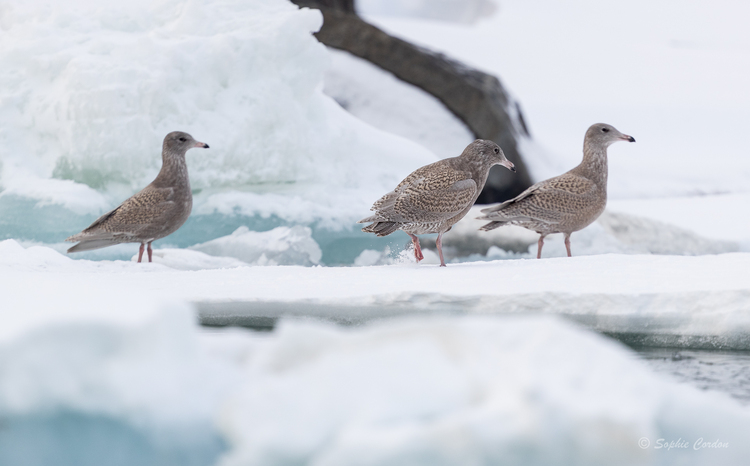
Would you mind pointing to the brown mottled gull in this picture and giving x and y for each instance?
(155, 212)
(436, 196)
(565, 203)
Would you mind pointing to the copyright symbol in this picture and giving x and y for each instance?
(644, 443)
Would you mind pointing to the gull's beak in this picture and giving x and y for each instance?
(625, 137)
(509, 165)
(202, 145)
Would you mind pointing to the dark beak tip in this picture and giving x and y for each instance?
(631, 139)
(513, 169)
(205, 146)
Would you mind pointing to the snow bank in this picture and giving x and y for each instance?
(280, 246)
(81, 127)
(614, 232)
(466, 391)
(100, 356)
(720, 216)
(86, 370)
(699, 302)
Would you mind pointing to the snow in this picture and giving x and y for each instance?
(614, 232)
(187, 259)
(722, 216)
(382, 100)
(529, 390)
(280, 246)
(458, 11)
(471, 391)
(671, 74)
(81, 128)
(478, 363)
(701, 300)
(468, 375)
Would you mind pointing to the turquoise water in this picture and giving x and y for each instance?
(24, 220)
(77, 439)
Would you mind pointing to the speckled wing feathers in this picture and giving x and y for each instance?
(426, 196)
(126, 223)
(561, 203)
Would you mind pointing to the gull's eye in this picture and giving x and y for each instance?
(497, 151)
(183, 139)
(605, 130)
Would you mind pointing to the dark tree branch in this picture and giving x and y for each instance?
(475, 97)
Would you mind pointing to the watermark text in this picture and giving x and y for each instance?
(682, 444)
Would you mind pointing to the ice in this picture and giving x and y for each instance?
(458, 11)
(103, 360)
(683, 301)
(720, 216)
(377, 97)
(371, 257)
(96, 390)
(109, 352)
(186, 259)
(465, 391)
(280, 246)
(613, 232)
(81, 128)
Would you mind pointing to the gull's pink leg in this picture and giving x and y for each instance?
(439, 244)
(567, 245)
(540, 244)
(150, 252)
(140, 252)
(417, 249)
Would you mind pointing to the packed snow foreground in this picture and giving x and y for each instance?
(112, 351)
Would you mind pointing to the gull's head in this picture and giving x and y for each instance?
(180, 142)
(602, 134)
(489, 151)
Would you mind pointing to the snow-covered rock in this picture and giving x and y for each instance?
(280, 246)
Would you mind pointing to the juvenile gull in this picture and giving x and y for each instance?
(436, 196)
(155, 212)
(565, 203)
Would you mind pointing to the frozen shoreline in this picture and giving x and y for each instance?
(123, 332)
(698, 301)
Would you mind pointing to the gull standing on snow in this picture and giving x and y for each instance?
(436, 196)
(155, 212)
(565, 203)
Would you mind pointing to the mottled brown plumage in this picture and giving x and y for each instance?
(565, 203)
(155, 212)
(436, 196)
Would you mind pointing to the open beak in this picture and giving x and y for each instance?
(509, 165)
(202, 145)
(625, 137)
